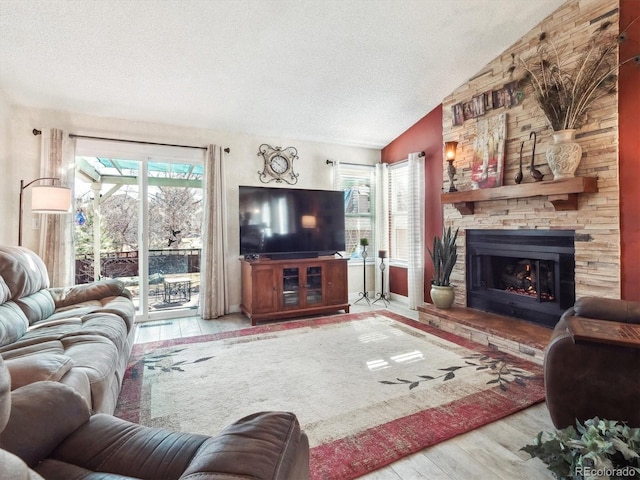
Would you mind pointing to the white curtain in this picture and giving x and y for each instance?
(337, 178)
(213, 270)
(382, 224)
(416, 221)
(57, 159)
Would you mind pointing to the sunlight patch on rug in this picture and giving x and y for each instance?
(351, 380)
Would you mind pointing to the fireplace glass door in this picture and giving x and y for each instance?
(533, 278)
(523, 274)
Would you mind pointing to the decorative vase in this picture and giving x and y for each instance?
(442, 296)
(564, 155)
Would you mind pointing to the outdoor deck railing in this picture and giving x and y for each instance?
(125, 264)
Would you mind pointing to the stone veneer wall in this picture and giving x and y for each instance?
(597, 219)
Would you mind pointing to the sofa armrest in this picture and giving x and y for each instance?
(43, 366)
(261, 446)
(608, 309)
(584, 380)
(110, 444)
(265, 445)
(42, 415)
(66, 296)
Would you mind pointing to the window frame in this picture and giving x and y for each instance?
(396, 169)
(363, 175)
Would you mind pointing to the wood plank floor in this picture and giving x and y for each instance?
(489, 452)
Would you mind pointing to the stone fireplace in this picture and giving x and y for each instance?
(526, 274)
(592, 214)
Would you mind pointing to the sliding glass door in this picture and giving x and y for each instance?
(139, 220)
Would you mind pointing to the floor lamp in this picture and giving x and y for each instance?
(44, 199)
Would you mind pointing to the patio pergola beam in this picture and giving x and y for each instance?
(110, 192)
(87, 170)
(154, 181)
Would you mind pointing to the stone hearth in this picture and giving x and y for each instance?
(513, 336)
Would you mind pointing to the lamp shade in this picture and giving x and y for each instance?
(50, 199)
(450, 150)
(309, 221)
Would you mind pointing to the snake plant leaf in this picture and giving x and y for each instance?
(444, 257)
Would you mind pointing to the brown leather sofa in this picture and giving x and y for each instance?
(47, 430)
(585, 379)
(80, 336)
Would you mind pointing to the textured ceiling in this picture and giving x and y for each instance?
(352, 72)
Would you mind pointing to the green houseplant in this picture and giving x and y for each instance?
(599, 449)
(444, 256)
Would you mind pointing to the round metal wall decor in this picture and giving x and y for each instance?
(278, 164)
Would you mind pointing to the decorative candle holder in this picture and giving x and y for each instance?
(382, 254)
(364, 295)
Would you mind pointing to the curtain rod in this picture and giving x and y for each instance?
(73, 135)
(332, 162)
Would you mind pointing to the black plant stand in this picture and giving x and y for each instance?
(364, 295)
(382, 295)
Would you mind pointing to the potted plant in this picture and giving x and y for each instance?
(364, 242)
(444, 257)
(596, 450)
(565, 90)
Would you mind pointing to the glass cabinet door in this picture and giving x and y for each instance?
(314, 285)
(290, 287)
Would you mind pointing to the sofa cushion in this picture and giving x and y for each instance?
(120, 306)
(36, 306)
(5, 293)
(98, 358)
(32, 345)
(70, 296)
(37, 366)
(57, 470)
(106, 325)
(95, 356)
(13, 323)
(5, 395)
(23, 271)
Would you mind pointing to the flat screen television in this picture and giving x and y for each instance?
(290, 222)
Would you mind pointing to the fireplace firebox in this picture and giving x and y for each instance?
(527, 274)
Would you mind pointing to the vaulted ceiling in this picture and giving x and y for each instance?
(351, 72)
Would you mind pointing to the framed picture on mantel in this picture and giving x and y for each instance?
(488, 152)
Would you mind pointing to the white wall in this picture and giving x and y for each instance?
(7, 191)
(21, 150)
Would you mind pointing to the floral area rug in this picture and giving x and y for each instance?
(368, 388)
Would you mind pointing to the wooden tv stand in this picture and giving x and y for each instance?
(275, 289)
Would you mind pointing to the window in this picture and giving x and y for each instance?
(357, 183)
(398, 211)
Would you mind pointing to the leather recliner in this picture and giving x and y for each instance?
(586, 379)
(47, 432)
